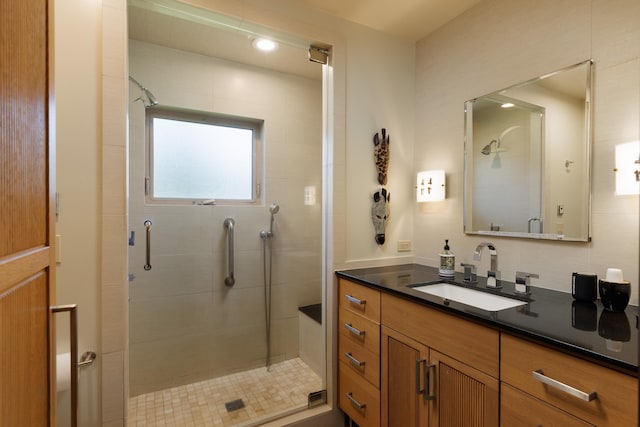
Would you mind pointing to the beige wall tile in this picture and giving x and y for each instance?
(113, 399)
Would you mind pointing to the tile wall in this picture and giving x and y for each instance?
(503, 42)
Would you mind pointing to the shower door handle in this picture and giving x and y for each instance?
(147, 225)
(230, 279)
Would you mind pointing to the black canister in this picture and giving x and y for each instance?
(584, 315)
(584, 287)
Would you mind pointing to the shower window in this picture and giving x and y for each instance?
(198, 156)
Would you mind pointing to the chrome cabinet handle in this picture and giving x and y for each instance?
(355, 300)
(427, 383)
(229, 224)
(540, 376)
(419, 390)
(73, 334)
(147, 225)
(354, 361)
(354, 330)
(354, 402)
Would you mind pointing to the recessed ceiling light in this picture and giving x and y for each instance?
(265, 45)
(507, 105)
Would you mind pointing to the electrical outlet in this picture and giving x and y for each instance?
(404, 245)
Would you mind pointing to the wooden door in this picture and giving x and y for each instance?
(27, 388)
(404, 386)
(465, 397)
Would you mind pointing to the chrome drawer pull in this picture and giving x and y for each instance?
(355, 300)
(540, 376)
(354, 330)
(358, 405)
(353, 360)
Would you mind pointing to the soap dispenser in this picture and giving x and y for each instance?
(447, 261)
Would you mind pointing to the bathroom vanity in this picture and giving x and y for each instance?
(410, 358)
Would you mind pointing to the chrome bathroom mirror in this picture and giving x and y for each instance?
(528, 158)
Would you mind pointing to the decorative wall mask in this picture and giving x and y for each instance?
(380, 213)
(381, 155)
(380, 209)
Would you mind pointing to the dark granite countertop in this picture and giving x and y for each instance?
(550, 317)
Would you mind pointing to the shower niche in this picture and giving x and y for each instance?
(188, 330)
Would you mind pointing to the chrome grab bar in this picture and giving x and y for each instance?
(354, 402)
(353, 330)
(148, 225)
(230, 279)
(355, 300)
(587, 397)
(355, 362)
(73, 333)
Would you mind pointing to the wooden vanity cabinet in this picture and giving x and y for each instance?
(359, 353)
(437, 369)
(562, 384)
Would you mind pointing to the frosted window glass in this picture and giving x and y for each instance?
(201, 161)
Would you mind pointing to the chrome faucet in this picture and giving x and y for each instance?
(493, 275)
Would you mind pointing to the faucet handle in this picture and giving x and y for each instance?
(523, 281)
(470, 275)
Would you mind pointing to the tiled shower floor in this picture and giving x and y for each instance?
(283, 389)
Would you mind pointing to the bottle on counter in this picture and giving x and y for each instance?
(447, 261)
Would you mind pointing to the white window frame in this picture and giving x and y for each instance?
(203, 117)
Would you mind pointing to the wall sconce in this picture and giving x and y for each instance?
(430, 186)
(627, 168)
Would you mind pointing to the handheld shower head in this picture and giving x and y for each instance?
(274, 208)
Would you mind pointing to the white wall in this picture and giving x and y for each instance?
(77, 101)
(185, 324)
(502, 42)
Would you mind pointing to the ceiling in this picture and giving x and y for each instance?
(180, 26)
(408, 19)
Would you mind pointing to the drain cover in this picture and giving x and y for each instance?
(234, 405)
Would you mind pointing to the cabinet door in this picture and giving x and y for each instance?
(465, 397)
(405, 386)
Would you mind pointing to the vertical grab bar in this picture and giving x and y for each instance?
(147, 225)
(228, 224)
(73, 327)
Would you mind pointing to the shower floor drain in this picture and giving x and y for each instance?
(234, 405)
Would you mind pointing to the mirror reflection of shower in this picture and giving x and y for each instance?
(267, 248)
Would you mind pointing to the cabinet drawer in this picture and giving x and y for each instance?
(369, 362)
(518, 409)
(616, 401)
(360, 330)
(359, 299)
(463, 340)
(358, 399)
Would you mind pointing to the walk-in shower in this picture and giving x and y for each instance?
(267, 253)
(205, 323)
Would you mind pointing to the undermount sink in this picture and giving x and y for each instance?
(472, 297)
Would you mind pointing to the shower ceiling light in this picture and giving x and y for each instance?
(264, 45)
(507, 105)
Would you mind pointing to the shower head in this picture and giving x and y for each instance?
(486, 150)
(274, 208)
(147, 98)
